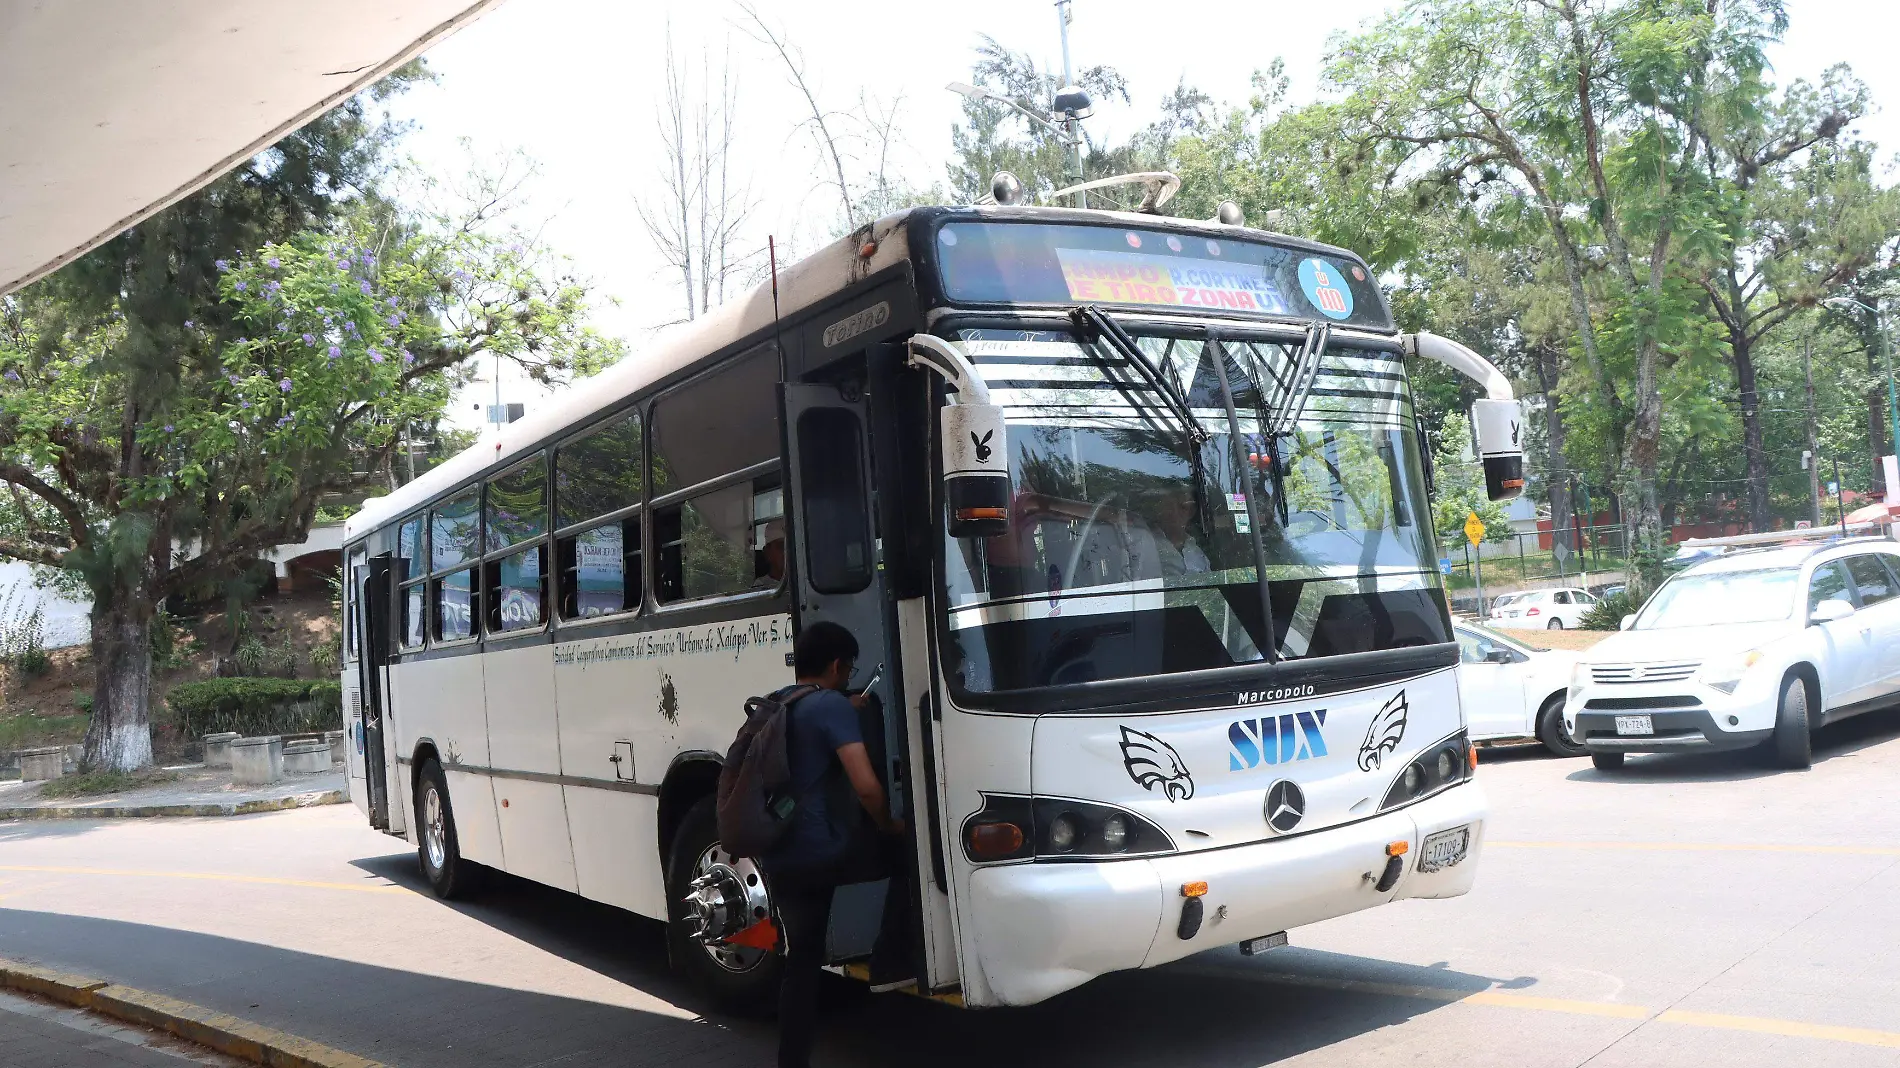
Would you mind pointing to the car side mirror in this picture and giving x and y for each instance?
(1626, 622)
(1499, 656)
(1830, 610)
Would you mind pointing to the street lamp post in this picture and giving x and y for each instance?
(1893, 392)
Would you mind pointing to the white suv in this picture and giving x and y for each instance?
(1753, 648)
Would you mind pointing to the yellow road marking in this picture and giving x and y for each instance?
(1505, 999)
(1794, 1028)
(1709, 847)
(261, 880)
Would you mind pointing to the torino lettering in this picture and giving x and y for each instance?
(1275, 739)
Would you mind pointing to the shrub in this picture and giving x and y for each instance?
(23, 636)
(251, 656)
(1608, 612)
(82, 701)
(256, 706)
(324, 660)
(281, 659)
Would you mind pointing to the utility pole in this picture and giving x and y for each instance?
(1839, 502)
(1814, 447)
(1063, 18)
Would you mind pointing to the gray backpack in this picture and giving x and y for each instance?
(754, 805)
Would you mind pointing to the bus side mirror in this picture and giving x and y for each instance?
(976, 470)
(1500, 447)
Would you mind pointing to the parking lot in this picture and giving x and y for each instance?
(1689, 910)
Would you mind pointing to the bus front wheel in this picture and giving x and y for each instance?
(436, 847)
(739, 978)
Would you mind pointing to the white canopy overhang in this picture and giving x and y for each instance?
(112, 109)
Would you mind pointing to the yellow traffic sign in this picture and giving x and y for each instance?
(1474, 528)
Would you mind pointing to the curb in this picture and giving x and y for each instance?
(224, 1033)
(219, 808)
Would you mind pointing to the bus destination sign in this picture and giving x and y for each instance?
(1176, 281)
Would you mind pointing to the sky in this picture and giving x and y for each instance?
(574, 84)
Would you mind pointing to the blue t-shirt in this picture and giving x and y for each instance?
(828, 811)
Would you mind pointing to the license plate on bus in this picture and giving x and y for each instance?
(1444, 849)
(1253, 946)
(1635, 725)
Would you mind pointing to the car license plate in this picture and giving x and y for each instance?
(1634, 725)
(1260, 945)
(1444, 849)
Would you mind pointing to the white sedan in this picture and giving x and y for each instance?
(1511, 690)
(1753, 648)
(1542, 609)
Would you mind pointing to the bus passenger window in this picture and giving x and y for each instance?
(835, 511)
(718, 425)
(600, 570)
(409, 563)
(454, 604)
(600, 473)
(412, 615)
(517, 591)
(517, 506)
(452, 530)
(705, 546)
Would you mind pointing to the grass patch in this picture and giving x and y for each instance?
(93, 783)
(28, 731)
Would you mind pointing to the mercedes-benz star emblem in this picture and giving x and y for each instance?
(1286, 805)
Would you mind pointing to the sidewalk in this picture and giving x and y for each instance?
(38, 1034)
(198, 791)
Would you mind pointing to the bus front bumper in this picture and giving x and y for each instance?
(1044, 928)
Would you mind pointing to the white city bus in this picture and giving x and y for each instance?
(1128, 514)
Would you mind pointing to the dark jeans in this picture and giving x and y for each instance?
(803, 898)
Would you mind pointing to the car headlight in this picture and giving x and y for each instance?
(1579, 678)
(1725, 672)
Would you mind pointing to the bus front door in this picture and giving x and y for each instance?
(373, 601)
(836, 577)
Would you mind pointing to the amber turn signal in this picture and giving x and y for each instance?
(991, 840)
(1473, 752)
(1397, 849)
(1193, 889)
(965, 514)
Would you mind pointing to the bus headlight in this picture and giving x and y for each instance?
(1015, 827)
(1725, 672)
(1062, 833)
(1443, 765)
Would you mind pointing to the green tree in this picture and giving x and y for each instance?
(172, 404)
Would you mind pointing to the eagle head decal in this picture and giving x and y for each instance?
(1388, 727)
(1152, 762)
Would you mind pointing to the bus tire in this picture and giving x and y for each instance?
(1550, 729)
(1793, 741)
(739, 981)
(1606, 761)
(437, 850)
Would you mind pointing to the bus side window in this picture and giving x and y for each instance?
(353, 606)
(834, 507)
(517, 590)
(718, 437)
(600, 481)
(410, 568)
(454, 607)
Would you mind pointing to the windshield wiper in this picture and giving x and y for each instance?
(1092, 323)
(1286, 414)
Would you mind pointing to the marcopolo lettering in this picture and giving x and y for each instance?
(1275, 739)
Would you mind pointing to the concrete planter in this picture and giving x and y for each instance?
(256, 761)
(306, 758)
(218, 748)
(339, 744)
(47, 762)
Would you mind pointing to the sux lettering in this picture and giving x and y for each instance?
(1276, 739)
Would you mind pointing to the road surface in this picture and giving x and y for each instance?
(1692, 910)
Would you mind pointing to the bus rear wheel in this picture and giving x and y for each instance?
(437, 850)
(740, 979)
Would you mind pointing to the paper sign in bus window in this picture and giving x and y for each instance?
(1174, 281)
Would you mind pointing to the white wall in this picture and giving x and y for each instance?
(66, 619)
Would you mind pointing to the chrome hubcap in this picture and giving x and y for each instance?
(435, 839)
(726, 955)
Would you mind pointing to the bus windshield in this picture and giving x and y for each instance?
(1130, 550)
